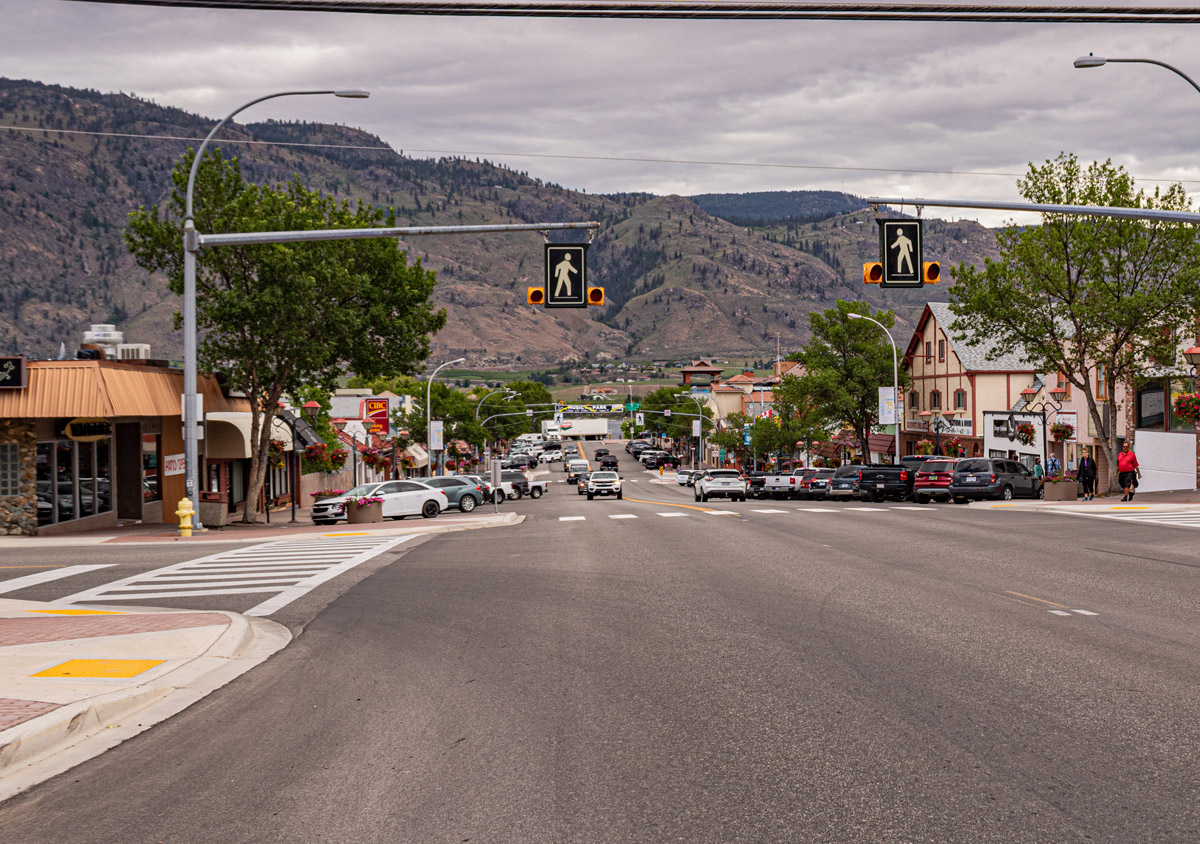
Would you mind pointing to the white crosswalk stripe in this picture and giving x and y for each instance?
(288, 568)
(1173, 518)
(768, 511)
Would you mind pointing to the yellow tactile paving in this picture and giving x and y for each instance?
(78, 612)
(92, 668)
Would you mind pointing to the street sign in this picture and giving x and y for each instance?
(900, 251)
(640, 419)
(637, 405)
(593, 408)
(667, 412)
(566, 275)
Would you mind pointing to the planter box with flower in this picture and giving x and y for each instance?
(1062, 487)
(364, 510)
(322, 494)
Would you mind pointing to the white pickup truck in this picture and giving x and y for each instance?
(783, 486)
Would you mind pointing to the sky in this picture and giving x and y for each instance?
(932, 110)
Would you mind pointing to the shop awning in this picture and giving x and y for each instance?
(227, 435)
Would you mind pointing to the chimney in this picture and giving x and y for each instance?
(749, 372)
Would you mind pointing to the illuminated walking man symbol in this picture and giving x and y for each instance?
(905, 256)
(562, 272)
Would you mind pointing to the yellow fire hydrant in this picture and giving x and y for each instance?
(185, 513)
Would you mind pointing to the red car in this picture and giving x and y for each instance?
(933, 479)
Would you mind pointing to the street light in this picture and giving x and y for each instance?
(191, 245)
(1053, 402)
(895, 380)
(1097, 61)
(700, 411)
(428, 415)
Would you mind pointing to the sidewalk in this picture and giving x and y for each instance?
(78, 681)
(279, 528)
(1165, 502)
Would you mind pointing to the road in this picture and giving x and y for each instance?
(819, 674)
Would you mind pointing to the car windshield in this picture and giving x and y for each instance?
(930, 466)
(604, 476)
(974, 466)
(725, 473)
(361, 490)
(847, 471)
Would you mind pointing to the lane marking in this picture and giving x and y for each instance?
(768, 511)
(723, 513)
(622, 516)
(572, 518)
(815, 510)
(1129, 508)
(868, 509)
(1085, 612)
(1059, 612)
(59, 566)
(669, 504)
(672, 515)
(18, 583)
(1016, 600)
(1039, 600)
(910, 507)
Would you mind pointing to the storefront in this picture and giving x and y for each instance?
(91, 444)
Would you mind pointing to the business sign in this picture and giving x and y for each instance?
(566, 275)
(435, 435)
(377, 416)
(592, 408)
(174, 464)
(85, 430)
(12, 372)
(900, 253)
(952, 427)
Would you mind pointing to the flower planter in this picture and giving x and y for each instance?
(356, 515)
(1062, 491)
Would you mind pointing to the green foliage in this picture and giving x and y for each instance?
(1078, 292)
(846, 362)
(277, 317)
(678, 425)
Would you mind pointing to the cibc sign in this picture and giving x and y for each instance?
(12, 373)
(86, 430)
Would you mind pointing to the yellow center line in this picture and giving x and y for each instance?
(1015, 600)
(1003, 505)
(668, 504)
(1128, 508)
(1039, 600)
(59, 566)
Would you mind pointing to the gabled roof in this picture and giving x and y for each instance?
(973, 358)
(740, 378)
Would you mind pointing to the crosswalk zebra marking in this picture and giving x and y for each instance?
(621, 516)
(572, 518)
(768, 511)
(288, 568)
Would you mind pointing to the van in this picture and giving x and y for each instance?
(530, 439)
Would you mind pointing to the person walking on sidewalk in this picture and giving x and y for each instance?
(1128, 471)
(1086, 474)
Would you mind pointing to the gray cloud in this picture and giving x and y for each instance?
(982, 98)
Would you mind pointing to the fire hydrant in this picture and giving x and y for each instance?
(185, 513)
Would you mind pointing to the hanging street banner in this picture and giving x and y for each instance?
(900, 253)
(566, 275)
(435, 435)
(591, 408)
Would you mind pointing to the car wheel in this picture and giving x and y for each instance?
(620, 495)
(959, 500)
(1041, 492)
(918, 499)
(467, 503)
(536, 492)
(1006, 493)
(498, 496)
(696, 494)
(590, 496)
(430, 509)
(516, 493)
(704, 497)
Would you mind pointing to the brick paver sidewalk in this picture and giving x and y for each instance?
(50, 628)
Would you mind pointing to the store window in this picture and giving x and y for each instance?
(960, 399)
(1064, 384)
(1178, 386)
(10, 469)
(151, 467)
(74, 480)
(1151, 406)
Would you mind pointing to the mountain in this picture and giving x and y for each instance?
(680, 280)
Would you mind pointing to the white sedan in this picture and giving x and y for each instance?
(400, 499)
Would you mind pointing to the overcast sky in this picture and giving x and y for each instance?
(860, 107)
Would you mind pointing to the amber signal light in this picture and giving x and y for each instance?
(931, 271)
(595, 296)
(536, 295)
(872, 273)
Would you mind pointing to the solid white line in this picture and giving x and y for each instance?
(814, 510)
(721, 512)
(622, 516)
(305, 586)
(213, 584)
(671, 515)
(768, 511)
(141, 596)
(572, 518)
(1059, 612)
(906, 507)
(868, 509)
(28, 580)
(1085, 612)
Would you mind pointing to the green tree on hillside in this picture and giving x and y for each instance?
(281, 316)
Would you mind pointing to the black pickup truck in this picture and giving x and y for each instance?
(875, 483)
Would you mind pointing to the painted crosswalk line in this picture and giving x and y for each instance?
(672, 515)
(17, 583)
(768, 511)
(287, 568)
(571, 518)
(621, 516)
(815, 510)
(1172, 518)
(868, 509)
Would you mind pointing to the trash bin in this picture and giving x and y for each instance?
(214, 509)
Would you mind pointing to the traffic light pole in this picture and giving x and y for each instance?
(1081, 210)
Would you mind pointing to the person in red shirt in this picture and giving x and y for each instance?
(1127, 471)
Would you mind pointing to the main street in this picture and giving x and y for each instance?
(652, 669)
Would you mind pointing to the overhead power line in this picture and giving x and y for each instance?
(767, 11)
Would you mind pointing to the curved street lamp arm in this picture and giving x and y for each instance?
(1171, 68)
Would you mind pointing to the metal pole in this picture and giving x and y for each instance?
(428, 409)
(895, 383)
(191, 245)
(1079, 210)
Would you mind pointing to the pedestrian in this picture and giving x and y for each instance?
(1053, 466)
(1128, 471)
(1086, 474)
(1039, 471)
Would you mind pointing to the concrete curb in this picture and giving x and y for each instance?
(50, 744)
(1080, 508)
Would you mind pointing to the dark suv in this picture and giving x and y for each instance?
(992, 477)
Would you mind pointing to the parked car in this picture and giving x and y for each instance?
(696, 475)
(400, 499)
(756, 484)
(933, 479)
(513, 484)
(914, 461)
(818, 485)
(520, 461)
(635, 444)
(885, 480)
(991, 477)
(721, 483)
(784, 485)
(804, 487)
(464, 493)
(603, 483)
(485, 485)
(844, 483)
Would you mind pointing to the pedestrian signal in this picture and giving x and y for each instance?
(595, 295)
(566, 275)
(872, 273)
(931, 271)
(536, 295)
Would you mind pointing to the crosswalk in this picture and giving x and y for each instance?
(698, 512)
(284, 570)
(1175, 518)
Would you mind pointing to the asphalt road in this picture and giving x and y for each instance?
(874, 675)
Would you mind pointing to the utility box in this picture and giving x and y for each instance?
(214, 509)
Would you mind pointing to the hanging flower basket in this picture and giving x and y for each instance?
(275, 454)
(1026, 433)
(1187, 407)
(924, 447)
(1062, 431)
(953, 446)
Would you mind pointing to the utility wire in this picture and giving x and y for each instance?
(559, 156)
(768, 11)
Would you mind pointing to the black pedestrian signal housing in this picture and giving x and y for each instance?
(595, 296)
(536, 295)
(931, 272)
(872, 273)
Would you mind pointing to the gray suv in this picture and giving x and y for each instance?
(992, 477)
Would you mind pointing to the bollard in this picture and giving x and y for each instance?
(185, 513)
